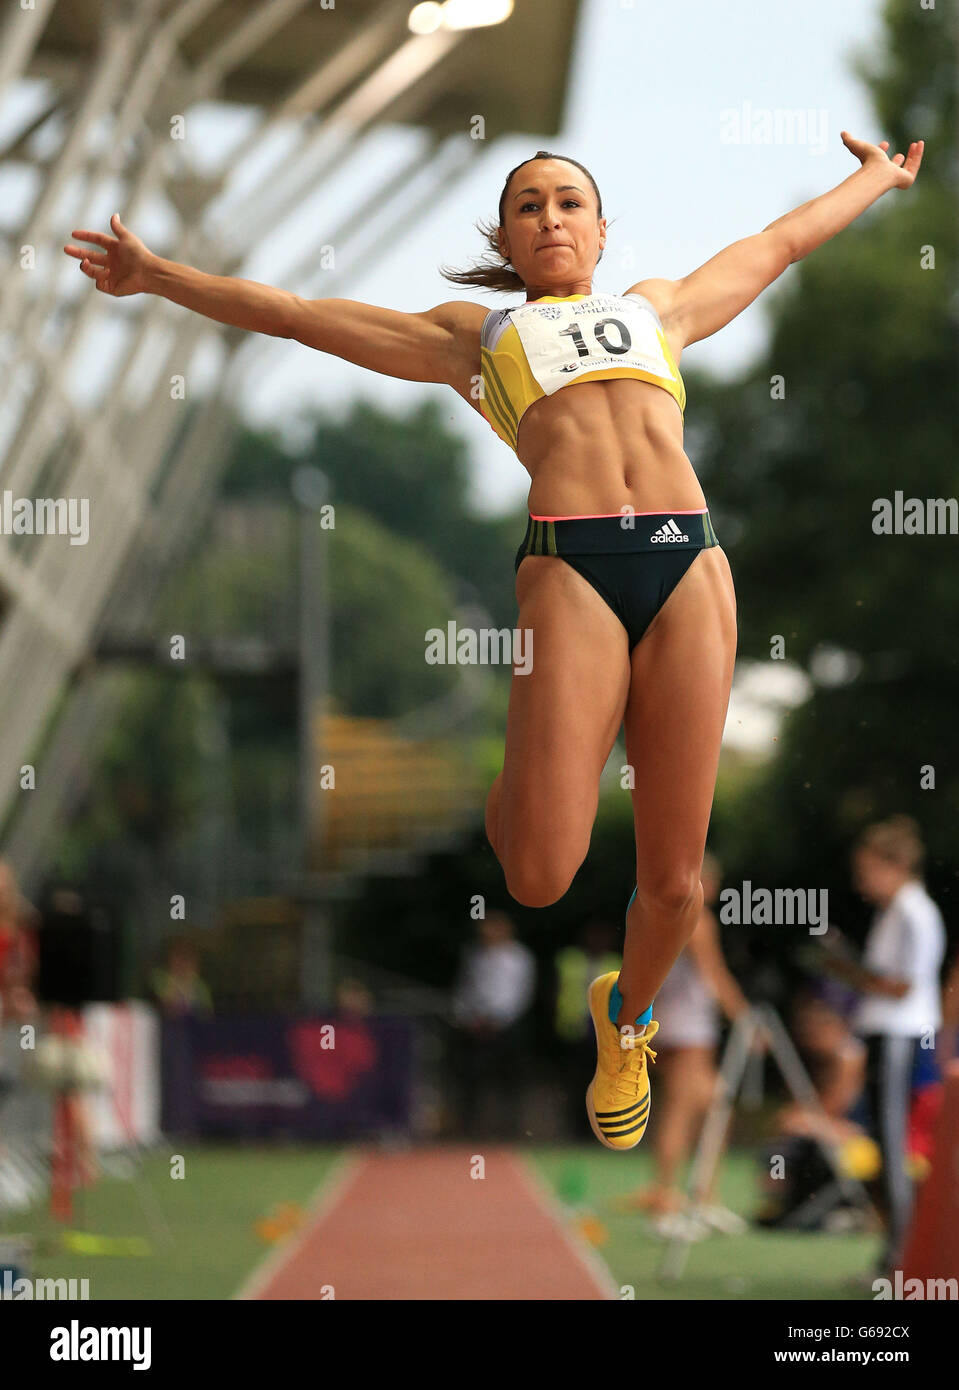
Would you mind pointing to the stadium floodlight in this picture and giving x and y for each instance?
(458, 14)
(475, 14)
(425, 18)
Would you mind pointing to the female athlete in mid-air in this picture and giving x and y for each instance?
(620, 578)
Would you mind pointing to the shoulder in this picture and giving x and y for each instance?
(661, 294)
(915, 905)
(458, 316)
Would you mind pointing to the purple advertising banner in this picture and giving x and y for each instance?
(309, 1076)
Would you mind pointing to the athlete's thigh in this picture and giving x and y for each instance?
(565, 714)
(681, 674)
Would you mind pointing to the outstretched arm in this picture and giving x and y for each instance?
(712, 295)
(432, 346)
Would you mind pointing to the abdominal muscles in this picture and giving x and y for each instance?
(602, 447)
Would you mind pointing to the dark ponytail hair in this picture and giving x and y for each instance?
(494, 272)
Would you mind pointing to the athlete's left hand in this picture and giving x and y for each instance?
(901, 168)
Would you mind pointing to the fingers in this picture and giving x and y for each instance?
(83, 255)
(97, 273)
(98, 238)
(910, 161)
(94, 266)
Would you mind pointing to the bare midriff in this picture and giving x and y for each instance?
(603, 447)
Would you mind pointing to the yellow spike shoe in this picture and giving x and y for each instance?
(618, 1099)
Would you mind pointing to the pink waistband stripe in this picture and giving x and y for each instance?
(595, 516)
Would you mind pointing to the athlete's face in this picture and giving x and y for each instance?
(551, 231)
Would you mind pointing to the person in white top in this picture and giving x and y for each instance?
(497, 980)
(901, 1006)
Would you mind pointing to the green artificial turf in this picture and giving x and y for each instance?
(760, 1264)
(211, 1246)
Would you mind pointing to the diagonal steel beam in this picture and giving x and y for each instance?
(20, 32)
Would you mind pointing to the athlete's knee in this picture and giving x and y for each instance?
(670, 889)
(535, 883)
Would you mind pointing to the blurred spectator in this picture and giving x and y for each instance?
(836, 1060)
(933, 1055)
(803, 1195)
(949, 1034)
(18, 950)
(178, 989)
(492, 995)
(18, 959)
(354, 999)
(687, 1008)
(575, 967)
(18, 1113)
(899, 981)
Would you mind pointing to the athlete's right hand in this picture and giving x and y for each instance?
(122, 264)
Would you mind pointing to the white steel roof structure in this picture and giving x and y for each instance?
(111, 78)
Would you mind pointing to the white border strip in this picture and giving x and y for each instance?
(344, 1173)
(579, 1248)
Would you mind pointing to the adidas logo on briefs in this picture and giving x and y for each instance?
(669, 532)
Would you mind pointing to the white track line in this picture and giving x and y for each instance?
(344, 1173)
(580, 1249)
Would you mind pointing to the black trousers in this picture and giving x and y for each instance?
(889, 1068)
(578, 1059)
(491, 1081)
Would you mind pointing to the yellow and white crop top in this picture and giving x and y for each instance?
(534, 349)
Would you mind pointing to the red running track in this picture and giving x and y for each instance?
(417, 1225)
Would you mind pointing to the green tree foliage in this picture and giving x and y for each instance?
(385, 594)
(863, 343)
(409, 473)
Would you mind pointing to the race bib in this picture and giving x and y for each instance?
(563, 341)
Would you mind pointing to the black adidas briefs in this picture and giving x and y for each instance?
(633, 561)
